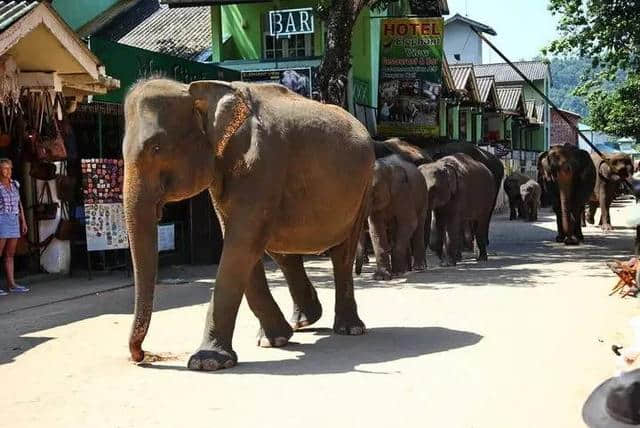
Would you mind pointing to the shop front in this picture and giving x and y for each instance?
(46, 70)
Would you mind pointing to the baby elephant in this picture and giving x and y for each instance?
(530, 193)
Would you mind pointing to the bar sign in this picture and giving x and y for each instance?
(290, 21)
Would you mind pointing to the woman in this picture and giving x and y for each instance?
(12, 224)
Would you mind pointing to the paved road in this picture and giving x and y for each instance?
(519, 341)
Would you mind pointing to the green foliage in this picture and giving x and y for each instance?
(566, 74)
(617, 112)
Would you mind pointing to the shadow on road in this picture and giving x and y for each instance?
(342, 354)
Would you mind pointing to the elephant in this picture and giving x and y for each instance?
(287, 175)
(611, 172)
(397, 218)
(460, 191)
(568, 176)
(530, 193)
(487, 159)
(511, 187)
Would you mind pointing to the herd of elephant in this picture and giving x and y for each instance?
(289, 176)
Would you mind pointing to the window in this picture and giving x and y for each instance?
(295, 46)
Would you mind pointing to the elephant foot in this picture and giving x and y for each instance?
(382, 275)
(420, 267)
(349, 325)
(447, 263)
(607, 228)
(571, 240)
(560, 238)
(212, 357)
(591, 220)
(459, 256)
(273, 339)
(304, 317)
(482, 257)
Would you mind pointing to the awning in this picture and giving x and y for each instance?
(48, 52)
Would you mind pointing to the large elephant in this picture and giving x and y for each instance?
(397, 218)
(511, 187)
(611, 172)
(460, 191)
(286, 175)
(568, 176)
(530, 193)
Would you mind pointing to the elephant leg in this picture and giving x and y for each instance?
(591, 216)
(346, 319)
(482, 237)
(436, 239)
(418, 246)
(233, 278)
(561, 235)
(306, 305)
(361, 252)
(275, 331)
(400, 249)
(451, 241)
(512, 209)
(605, 222)
(381, 248)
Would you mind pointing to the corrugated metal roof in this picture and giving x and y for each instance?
(503, 73)
(447, 78)
(181, 32)
(531, 110)
(464, 79)
(470, 22)
(11, 11)
(511, 98)
(484, 86)
(540, 111)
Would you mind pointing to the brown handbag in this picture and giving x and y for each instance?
(66, 227)
(43, 171)
(50, 145)
(66, 186)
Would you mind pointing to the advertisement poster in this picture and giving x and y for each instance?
(296, 79)
(411, 56)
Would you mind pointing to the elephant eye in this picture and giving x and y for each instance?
(156, 148)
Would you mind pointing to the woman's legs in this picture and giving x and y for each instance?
(9, 252)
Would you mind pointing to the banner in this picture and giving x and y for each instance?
(296, 79)
(411, 56)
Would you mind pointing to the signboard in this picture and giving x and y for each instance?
(105, 226)
(296, 79)
(410, 83)
(129, 64)
(166, 237)
(288, 22)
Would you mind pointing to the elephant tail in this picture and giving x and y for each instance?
(406, 151)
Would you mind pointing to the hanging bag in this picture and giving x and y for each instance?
(43, 171)
(66, 187)
(45, 209)
(50, 145)
(66, 226)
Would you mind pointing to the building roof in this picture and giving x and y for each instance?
(184, 32)
(488, 92)
(570, 113)
(464, 79)
(447, 78)
(11, 11)
(478, 26)
(531, 110)
(512, 99)
(540, 110)
(534, 70)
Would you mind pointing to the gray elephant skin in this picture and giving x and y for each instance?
(287, 175)
(460, 191)
(511, 188)
(567, 175)
(397, 218)
(611, 172)
(530, 193)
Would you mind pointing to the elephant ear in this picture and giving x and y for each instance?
(452, 177)
(221, 109)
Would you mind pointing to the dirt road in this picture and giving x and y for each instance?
(519, 341)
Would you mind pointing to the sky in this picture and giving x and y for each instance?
(523, 26)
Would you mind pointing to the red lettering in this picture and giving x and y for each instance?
(389, 28)
(415, 28)
(434, 29)
(402, 29)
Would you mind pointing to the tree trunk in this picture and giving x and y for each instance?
(334, 70)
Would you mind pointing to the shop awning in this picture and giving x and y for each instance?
(465, 82)
(48, 52)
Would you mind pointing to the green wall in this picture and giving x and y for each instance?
(78, 12)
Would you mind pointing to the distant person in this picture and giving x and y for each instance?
(12, 224)
(385, 111)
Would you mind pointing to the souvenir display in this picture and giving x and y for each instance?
(102, 180)
(105, 225)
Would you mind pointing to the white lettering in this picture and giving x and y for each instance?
(304, 22)
(291, 24)
(277, 20)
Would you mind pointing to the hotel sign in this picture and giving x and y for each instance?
(288, 22)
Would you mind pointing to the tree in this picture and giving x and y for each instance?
(608, 32)
(340, 17)
(617, 112)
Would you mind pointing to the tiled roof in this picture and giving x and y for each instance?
(534, 70)
(510, 98)
(465, 80)
(11, 11)
(182, 32)
(470, 22)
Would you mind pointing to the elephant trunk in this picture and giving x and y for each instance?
(565, 183)
(141, 215)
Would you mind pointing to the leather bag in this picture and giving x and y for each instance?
(43, 171)
(66, 187)
(45, 209)
(50, 144)
(66, 227)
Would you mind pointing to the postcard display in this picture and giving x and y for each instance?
(104, 212)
